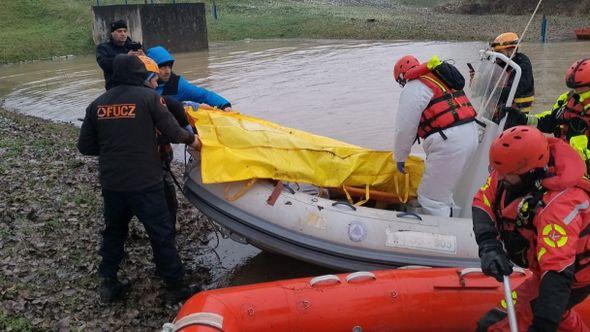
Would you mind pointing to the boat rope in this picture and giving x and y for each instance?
(406, 192)
(362, 201)
(512, 55)
(212, 225)
(168, 169)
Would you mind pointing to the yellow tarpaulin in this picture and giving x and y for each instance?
(238, 147)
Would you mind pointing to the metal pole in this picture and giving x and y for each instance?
(544, 29)
(97, 3)
(510, 305)
(214, 10)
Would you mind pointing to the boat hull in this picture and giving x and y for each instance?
(440, 299)
(331, 233)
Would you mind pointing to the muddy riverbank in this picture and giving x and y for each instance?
(50, 224)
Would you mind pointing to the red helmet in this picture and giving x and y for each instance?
(578, 74)
(402, 66)
(519, 150)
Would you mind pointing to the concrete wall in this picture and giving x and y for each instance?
(178, 27)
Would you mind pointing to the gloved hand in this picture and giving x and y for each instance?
(401, 166)
(197, 145)
(190, 129)
(191, 104)
(495, 263)
(515, 117)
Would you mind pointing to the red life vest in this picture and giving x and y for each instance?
(574, 109)
(447, 108)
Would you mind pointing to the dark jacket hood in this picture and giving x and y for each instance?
(129, 70)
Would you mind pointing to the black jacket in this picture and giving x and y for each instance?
(526, 85)
(120, 127)
(177, 111)
(105, 54)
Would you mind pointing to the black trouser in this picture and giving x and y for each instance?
(171, 200)
(151, 208)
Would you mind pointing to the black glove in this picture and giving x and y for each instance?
(515, 117)
(495, 263)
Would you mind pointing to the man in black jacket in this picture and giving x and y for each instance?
(118, 43)
(120, 128)
(524, 97)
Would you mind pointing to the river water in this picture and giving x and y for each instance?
(340, 89)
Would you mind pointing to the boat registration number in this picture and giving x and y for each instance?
(421, 241)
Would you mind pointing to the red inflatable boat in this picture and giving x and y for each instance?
(418, 299)
(583, 33)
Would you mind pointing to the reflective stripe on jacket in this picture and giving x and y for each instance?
(524, 103)
(525, 91)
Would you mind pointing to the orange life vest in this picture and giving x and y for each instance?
(448, 108)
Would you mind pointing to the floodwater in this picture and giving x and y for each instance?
(340, 89)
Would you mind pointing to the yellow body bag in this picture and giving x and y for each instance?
(238, 147)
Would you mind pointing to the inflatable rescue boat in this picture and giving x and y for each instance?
(247, 179)
(331, 232)
(417, 299)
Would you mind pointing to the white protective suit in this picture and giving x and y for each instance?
(445, 159)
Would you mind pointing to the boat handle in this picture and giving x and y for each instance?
(289, 189)
(470, 270)
(199, 318)
(327, 277)
(408, 214)
(360, 275)
(344, 203)
(413, 267)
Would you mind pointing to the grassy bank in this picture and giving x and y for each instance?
(45, 28)
(371, 19)
(50, 224)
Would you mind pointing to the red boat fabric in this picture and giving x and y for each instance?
(427, 299)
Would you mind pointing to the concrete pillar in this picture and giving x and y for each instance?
(178, 27)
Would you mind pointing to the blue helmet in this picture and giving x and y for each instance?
(160, 55)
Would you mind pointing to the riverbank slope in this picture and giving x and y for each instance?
(50, 224)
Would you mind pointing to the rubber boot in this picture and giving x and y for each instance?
(179, 292)
(112, 290)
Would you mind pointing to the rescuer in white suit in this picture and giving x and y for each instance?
(434, 108)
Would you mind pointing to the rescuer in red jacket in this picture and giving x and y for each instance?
(534, 212)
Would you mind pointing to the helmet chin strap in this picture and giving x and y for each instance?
(529, 181)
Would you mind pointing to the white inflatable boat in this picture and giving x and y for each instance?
(291, 221)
